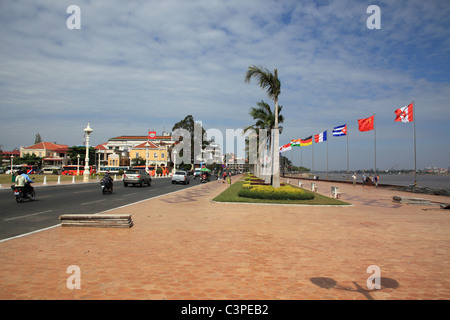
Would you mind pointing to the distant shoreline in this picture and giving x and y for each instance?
(427, 184)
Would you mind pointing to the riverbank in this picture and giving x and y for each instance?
(427, 184)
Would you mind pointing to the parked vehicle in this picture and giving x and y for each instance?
(136, 176)
(72, 170)
(180, 177)
(23, 193)
(107, 186)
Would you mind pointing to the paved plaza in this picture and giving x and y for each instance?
(184, 246)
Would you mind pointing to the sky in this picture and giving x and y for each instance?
(135, 66)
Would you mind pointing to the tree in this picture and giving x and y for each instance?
(37, 138)
(192, 127)
(270, 82)
(75, 150)
(30, 159)
(264, 119)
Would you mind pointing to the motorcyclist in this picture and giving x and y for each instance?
(108, 180)
(20, 180)
(28, 181)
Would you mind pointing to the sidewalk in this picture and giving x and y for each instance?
(183, 246)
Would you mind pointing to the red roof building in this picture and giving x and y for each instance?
(52, 153)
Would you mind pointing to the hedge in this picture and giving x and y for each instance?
(271, 193)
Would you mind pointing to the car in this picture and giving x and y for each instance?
(136, 176)
(180, 177)
(197, 172)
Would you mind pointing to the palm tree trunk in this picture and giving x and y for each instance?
(276, 151)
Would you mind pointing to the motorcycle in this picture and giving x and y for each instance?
(205, 176)
(107, 186)
(23, 193)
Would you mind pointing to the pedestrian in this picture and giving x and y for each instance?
(377, 179)
(224, 176)
(364, 179)
(354, 177)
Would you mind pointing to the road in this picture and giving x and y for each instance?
(52, 201)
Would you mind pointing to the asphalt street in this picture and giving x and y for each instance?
(52, 201)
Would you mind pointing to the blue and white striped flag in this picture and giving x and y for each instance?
(340, 130)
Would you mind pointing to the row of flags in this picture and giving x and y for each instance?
(404, 114)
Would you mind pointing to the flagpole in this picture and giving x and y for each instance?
(312, 143)
(327, 154)
(347, 150)
(301, 157)
(375, 142)
(415, 162)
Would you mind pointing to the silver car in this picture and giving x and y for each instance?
(136, 176)
(180, 177)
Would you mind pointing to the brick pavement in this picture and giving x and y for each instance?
(183, 246)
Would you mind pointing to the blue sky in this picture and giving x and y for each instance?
(140, 65)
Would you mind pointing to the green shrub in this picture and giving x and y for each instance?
(270, 193)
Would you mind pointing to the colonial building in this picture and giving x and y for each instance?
(53, 154)
(121, 150)
(156, 154)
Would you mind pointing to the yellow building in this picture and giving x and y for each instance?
(156, 154)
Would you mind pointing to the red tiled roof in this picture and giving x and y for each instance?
(142, 146)
(48, 146)
(102, 146)
(11, 153)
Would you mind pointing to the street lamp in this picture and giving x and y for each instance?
(86, 172)
(156, 161)
(147, 145)
(174, 152)
(78, 164)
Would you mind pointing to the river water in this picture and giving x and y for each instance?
(425, 180)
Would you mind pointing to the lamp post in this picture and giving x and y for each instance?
(78, 164)
(174, 152)
(156, 161)
(86, 172)
(147, 145)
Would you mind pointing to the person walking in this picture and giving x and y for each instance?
(377, 179)
(364, 179)
(354, 177)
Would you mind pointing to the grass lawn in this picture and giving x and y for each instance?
(231, 195)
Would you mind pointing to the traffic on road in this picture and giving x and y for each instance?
(51, 201)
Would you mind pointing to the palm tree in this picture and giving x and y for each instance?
(269, 81)
(264, 119)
